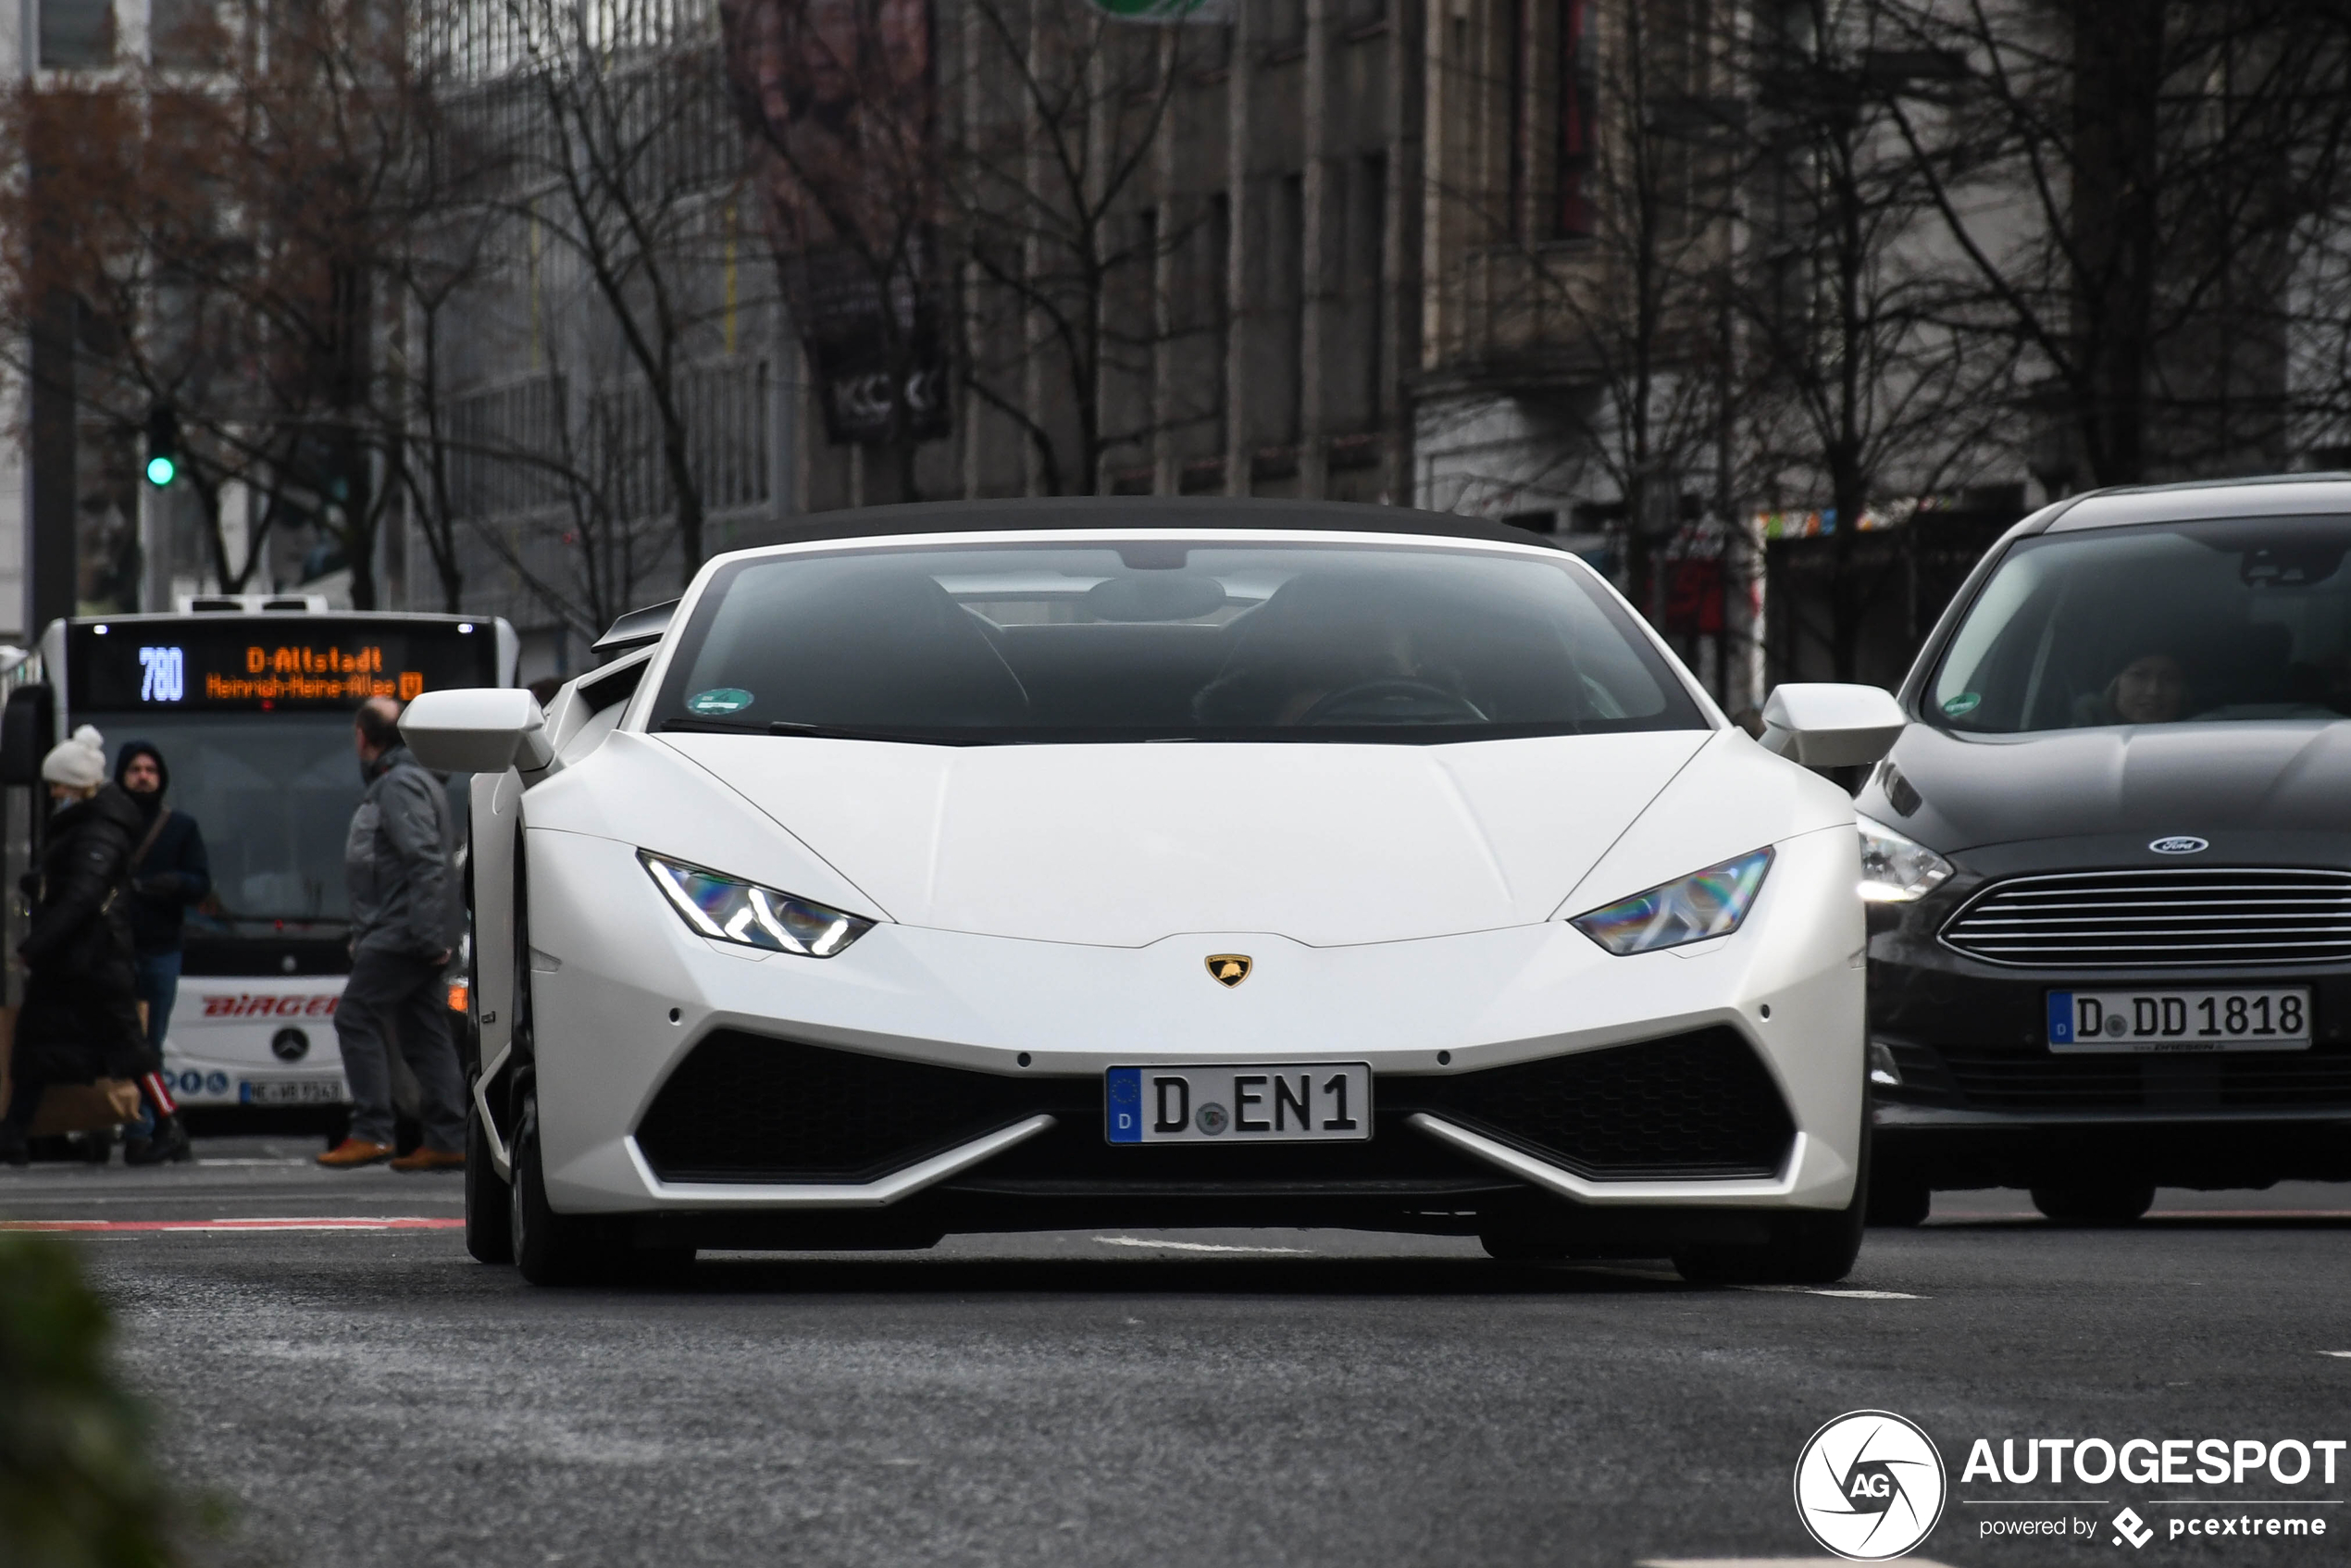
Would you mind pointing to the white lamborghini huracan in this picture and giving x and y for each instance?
(1034, 865)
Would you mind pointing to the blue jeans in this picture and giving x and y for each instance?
(157, 985)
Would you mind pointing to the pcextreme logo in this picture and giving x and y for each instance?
(1870, 1486)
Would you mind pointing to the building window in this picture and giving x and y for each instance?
(1572, 199)
(76, 34)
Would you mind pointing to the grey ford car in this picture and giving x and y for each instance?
(2108, 861)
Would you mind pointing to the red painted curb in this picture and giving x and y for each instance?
(386, 1223)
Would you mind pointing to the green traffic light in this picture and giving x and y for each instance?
(161, 470)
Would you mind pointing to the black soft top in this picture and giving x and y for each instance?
(1090, 512)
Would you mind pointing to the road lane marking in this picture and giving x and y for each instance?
(2004, 1216)
(1195, 1246)
(1765, 1563)
(385, 1223)
(1846, 1295)
(2344, 1353)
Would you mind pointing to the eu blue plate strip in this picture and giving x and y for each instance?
(1123, 1101)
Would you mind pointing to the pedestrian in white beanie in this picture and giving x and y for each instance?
(80, 1018)
(77, 765)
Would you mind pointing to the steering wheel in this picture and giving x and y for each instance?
(1393, 700)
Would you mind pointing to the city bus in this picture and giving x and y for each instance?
(251, 709)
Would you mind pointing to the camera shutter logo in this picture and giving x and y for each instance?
(1870, 1486)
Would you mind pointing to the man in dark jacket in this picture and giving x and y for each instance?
(172, 875)
(80, 1021)
(396, 862)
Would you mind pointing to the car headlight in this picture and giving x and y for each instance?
(1705, 904)
(1896, 869)
(730, 911)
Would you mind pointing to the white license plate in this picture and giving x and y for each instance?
(2271, 1018)
(295, 1091)
(1300, 1102)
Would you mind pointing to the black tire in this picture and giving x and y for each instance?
(489, 1219)
(2096, 1202)
(1521, 1247)
(1806, 1248)
(1899, 1202)
(549, 1249)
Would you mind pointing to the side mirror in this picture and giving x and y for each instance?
(477, 729)
(1823, 723)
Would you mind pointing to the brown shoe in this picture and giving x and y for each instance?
(351, 1153)
(430, 1160)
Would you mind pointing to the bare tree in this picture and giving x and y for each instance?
(224, 227)
(1594, 260)
(1056, 184)
(840, 102)
(629, 176)
(1856, 379)
(2129, 186)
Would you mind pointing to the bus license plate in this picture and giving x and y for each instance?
(2268, 1018)
(1300, 1102)
(297, 1091)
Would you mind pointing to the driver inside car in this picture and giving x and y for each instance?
(2151, 689)
(1320, 638)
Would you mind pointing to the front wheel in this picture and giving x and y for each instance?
(1808, 1246)
(549, 1249)
(2095, 1202)
(1899, 1202)
(490, 1218)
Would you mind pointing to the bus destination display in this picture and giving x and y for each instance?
(259, 666)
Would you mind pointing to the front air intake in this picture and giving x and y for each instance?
(1686, 1107)
(744, 1107)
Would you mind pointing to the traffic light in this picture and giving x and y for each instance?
(163, 445)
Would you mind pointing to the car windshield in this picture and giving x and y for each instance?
(2191, 623)
(1163, 639)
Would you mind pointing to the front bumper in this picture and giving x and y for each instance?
(639, 1023)
(1984, 1102)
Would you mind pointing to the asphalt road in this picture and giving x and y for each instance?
(371, 1396)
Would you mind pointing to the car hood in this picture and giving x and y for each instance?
(1121, 845)
(2201, 779)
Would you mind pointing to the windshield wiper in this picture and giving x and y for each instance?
(843, 732)
(823, 732)
(708, 727)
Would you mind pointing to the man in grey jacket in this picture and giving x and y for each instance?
(396, 862)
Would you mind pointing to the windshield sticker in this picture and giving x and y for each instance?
(719, 700)
(1953, 707)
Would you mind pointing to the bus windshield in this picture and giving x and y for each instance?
(272, 795)
(253, 714)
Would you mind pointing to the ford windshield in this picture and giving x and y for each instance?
(2187, 623)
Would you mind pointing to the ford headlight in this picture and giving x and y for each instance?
(730, 911)
(1896, 869)
(1705, 904)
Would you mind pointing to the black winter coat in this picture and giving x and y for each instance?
(81, 1008)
